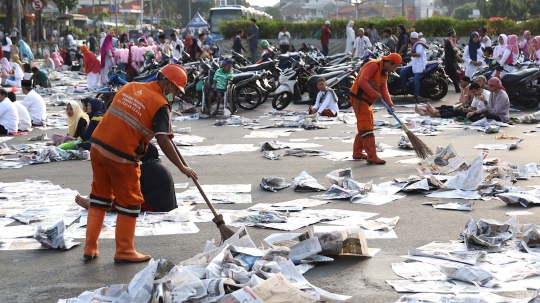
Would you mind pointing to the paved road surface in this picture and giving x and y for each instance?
(45, 276)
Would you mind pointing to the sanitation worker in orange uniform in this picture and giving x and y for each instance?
(371, 86)
(138, 112)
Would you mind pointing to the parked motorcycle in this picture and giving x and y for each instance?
(433, 83)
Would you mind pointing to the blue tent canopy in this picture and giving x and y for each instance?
(197, 22)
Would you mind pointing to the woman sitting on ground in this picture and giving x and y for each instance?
(18, 75)
(326, 102)
(157, 185)
(447, 111)
(77, 121)
(95, 109)
(477, 92)
(48, 63)
(496, 107)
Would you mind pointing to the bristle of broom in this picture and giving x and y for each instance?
(421, 149)
(224, 230)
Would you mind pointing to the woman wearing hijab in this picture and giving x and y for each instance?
(48, 63)
(497, 107)
(499, 50)
(6, 71)
(56, 60)
(15, 58)
(107, 58)
(77, 121)
(95, 110)
(536, 46)
(350, 37)
(510, 55)
(472, 55)
(17, 74)
(24, 49)
(191, 47)
(92, 67)
(525, 44)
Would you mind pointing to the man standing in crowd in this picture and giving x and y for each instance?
(6, 45)
(92, 43)
(284, 37)
(177, 46)
(237, 44)
(484, 39)
(14, 31)
(361, 44)
(416, 67)
(389, 40)
(209, 38)
(253, 40)
(325, 37)
(451, 58)
(372, 34)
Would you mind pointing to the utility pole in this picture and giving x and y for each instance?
(19, 18)
(116, 14)
(142, 12)
(151, 14)
(403, 8)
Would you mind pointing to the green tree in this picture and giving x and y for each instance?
(453, 4)
(11, 11)
(65, 4)
(130, 21)
(274, 12)
(516, 10)
(463, 12)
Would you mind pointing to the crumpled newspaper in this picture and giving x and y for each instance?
(268, 154)
(235, 120)
(404, 143)
(274, 183)
(53, 236)
(488, 235)
(305, 182)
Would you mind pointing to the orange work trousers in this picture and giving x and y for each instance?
(364, 116)
(116, 180)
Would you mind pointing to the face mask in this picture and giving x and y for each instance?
(169, 97)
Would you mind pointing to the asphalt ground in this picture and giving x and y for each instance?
(47, 275)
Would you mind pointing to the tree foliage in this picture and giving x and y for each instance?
(65, 4)
(516, 10)
(453, 4)
(11, 10)
(130, 21)
(274, 12)
(463, 12)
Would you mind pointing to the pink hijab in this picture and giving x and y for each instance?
(537, 38)
(107, 46)
(512, 44)
(5, 65)
(56, 61)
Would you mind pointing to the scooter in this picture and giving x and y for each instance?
(433, 83)
(289, 89)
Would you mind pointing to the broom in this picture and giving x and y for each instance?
(421, 149)
(224, 230)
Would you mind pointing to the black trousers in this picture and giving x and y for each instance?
(284, 48)
(3, 130)
(452, 73)
(325, 49)
(477, 117)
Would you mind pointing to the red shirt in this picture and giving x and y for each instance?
(325, 35)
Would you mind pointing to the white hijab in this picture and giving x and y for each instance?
(502, 47)
(18, 71)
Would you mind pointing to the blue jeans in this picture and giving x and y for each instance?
(404, 74)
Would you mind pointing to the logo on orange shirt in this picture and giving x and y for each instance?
(138, 93)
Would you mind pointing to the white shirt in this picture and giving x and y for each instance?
(350, 40)
(25, 122)
(165, 47)
(328, 103)
(485, 41)
(7, 47)
(36, 107)
(477, 103)
(469, 67)
(150, 41)
(9, 118)
(70, 40)
(419, 63)
(284, 38)
(177, 53)
(55, 32)
(360, 46)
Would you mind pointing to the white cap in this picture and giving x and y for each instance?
(327, 22)
(420, 34)
(361, 29)
(414, 35)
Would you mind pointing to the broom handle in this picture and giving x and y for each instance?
(196, 182)
(395, 117)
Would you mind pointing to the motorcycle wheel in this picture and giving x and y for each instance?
(264, 95)
(443, 90)
(244, 100)
(192, 97)
(273, 81)
(281, 100)
(344, 102)
(532, 104)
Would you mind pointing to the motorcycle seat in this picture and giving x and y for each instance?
(255, 67)
(241, 77)
(145, 78)
(336, 56)
(314, 79)
(512, 78)
(432, 62)
(325, 70)
(283, 57)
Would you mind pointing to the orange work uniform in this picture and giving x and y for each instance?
(117, 144)
(371, 81)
